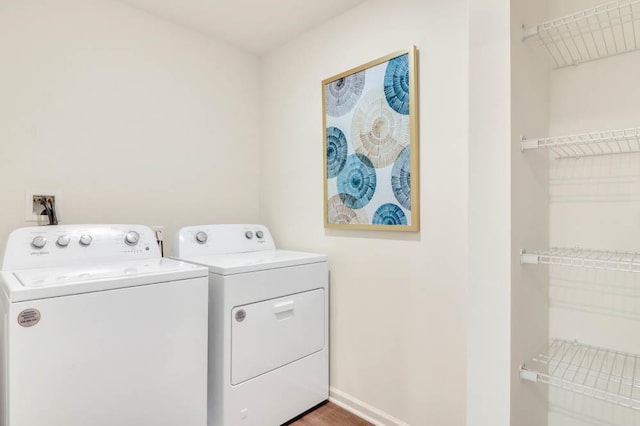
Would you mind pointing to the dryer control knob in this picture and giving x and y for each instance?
(86, 239)
(63, 240)
(131, 238)
(249, 235)
(201, 237)
(39, 242)
(260, 234)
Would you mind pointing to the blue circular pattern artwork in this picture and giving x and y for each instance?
(396, 84)
(336, 151)
(342, 94)
(401, 178)
(357, 181)
(389, 214)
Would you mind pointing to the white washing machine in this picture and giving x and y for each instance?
(97, 329)
(268, 324)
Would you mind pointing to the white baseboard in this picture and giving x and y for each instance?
(362, 409)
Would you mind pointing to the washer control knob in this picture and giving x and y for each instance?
(260, 234)
(249, 235)
(39, 242)
(63, 240)
(86, 239)
(201, 237)
(131, 238)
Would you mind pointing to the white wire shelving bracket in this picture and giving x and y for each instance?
(607, 30)
(623, 141)
(597, 372)
(583, 258)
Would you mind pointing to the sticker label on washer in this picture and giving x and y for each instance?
(29, 317)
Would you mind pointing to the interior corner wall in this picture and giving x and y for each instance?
(490, 251)
(398, 300)
(131, 118)
(529, 213)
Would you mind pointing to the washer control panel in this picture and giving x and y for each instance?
(221, 239)
(43, 246)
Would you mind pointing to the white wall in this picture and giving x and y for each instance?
(489, 140)
(595, 203)
(529, 214)
(134, 119)
(398, 300)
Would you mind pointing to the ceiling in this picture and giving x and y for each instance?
(254, 25)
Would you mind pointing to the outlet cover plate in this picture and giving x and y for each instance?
(29, 215)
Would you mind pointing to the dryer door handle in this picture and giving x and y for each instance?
(282, 307)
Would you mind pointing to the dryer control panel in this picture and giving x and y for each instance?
(45, 246)
(221, 239)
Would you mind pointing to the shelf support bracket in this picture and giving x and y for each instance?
(528, 32)
(529, 258)
(529, 144)
(529, 375)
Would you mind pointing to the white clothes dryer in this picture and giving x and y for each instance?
(268, 324)
(97, 329)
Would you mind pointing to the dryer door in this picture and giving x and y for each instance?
(269, 334)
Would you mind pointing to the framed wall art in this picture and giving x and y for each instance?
(370, 117)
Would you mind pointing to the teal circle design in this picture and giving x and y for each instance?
(336, 151)
(396, 84)
(401, 178)
(357, 182)
(389, 214)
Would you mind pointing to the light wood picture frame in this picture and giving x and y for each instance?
(371, 157)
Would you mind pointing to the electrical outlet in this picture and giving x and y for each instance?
(34, 211)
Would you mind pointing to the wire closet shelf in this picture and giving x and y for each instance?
(596, 33)
(623, 141)
(584, 258)
(600, 373)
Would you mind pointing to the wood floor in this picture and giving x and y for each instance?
(329, 414)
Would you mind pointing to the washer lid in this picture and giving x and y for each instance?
(30, 284)
(239, 263)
